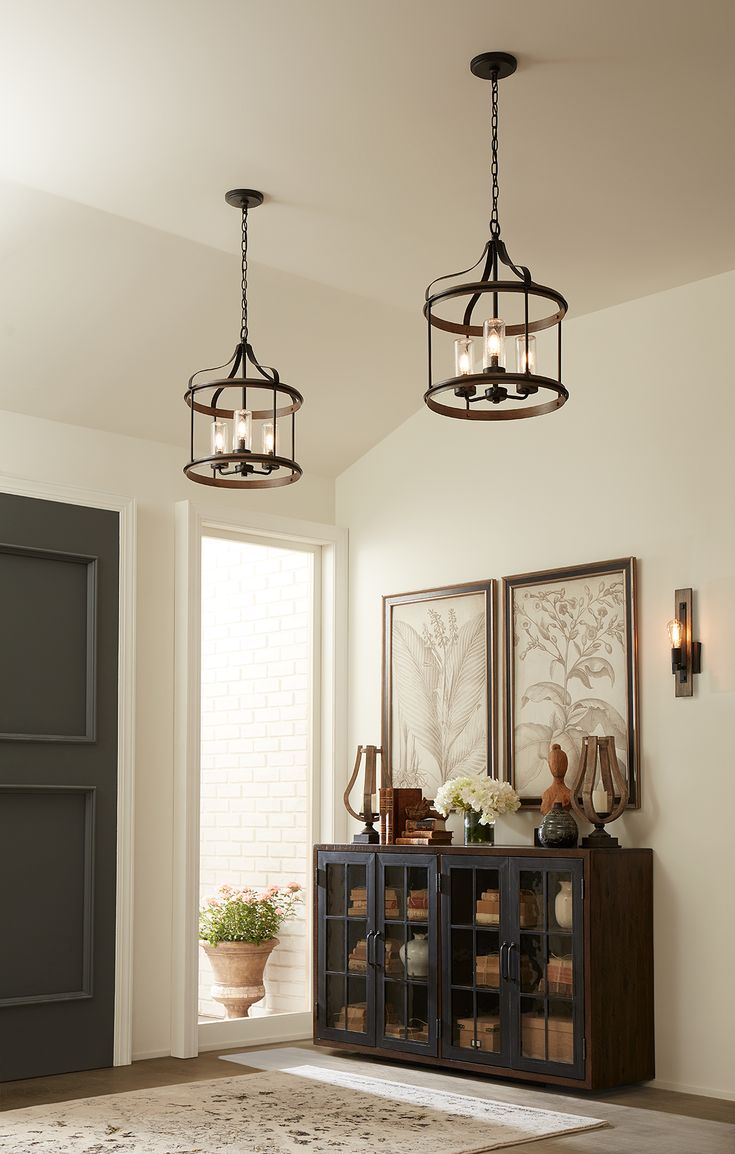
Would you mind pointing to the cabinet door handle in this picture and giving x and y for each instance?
(368, 947)
(509, 963)
(377, 937)
(504, 961)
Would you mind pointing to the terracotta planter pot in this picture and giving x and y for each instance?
(238, 971)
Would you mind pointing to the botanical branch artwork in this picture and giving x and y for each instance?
(439, 690)
(570, 673)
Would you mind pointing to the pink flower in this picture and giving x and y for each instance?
(294, 887)
(270, 892)
(280, 911)
(225, 890)
(213, 903)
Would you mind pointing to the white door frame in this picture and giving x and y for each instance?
(192, 524)
(126, 509)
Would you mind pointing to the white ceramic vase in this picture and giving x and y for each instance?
(415, 956)
(563, 905)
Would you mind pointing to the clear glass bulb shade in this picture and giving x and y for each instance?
(493, 343)
(526, 353)
(269, 437)
(242, 431)
(676, 632)
(218, 437)
(464, 356)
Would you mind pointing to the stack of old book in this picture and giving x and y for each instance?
(392, 899)
(425, 831)
(352, 1018)
(560, 976)
(358, 961)
(488, 908)
(487, 970)
(418, 905)
(358, 902)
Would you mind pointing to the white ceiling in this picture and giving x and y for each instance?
(126, 120)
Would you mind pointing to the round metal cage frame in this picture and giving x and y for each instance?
(494, 394)
(221, 397)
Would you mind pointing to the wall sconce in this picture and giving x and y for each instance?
(686, 655)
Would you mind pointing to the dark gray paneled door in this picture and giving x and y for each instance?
(58, 785)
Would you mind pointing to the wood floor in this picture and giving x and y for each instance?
(642, 1120)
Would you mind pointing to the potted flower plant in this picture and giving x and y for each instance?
(237, 930)
(481, 799)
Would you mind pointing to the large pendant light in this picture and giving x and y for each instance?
(248, 438)
(491, 372)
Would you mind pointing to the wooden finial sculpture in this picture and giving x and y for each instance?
(557, 791)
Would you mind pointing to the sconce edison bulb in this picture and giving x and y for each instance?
(493, 344)
(464, 356)
(676, 632)
(242, 426)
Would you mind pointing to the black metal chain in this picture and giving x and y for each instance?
(244, 280)
(494, 221)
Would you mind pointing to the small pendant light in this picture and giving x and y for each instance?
(491, 372)
(249, 438)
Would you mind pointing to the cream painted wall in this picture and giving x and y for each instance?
(151, 473)
(640, 462)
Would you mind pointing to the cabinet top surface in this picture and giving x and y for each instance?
(481, 850)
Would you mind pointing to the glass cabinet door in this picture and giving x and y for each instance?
(406, 952)
(345, 982)
(545, 965)
(475, 997)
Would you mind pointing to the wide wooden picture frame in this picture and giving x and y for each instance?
(438, 685)
(570, 645)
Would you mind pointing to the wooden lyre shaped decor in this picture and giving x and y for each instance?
(605, 803)
(367, 835)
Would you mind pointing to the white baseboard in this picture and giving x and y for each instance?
(264, 1031)
(700, 1091)
(144, 1055)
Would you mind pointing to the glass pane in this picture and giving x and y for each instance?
(417, 902)
(335, 889)
(532, 899)
(560, 1032)
(336, 945)
(394, 1016)
(393, 962)
(395, 894)
(357, 961)
(533, 1028)
(462, 958)
(488, 1021)
(357, 889)
(463, 1018)
(336, 998)
(533, 962)
(418, 1013)
(560, 966)
(487, 959)
(560, 905)
(487, 897)
(461, 896)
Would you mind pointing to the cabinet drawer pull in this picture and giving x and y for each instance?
(504, 960)
(369, 940)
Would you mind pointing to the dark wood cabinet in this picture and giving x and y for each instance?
(528, 963)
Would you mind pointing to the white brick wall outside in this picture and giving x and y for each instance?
(256, 653)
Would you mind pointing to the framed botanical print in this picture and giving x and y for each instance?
(438, 685)
(570, 649)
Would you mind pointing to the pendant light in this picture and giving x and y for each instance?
(491, 372)
(248, 440)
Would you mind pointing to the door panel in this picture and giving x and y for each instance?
(406, 953)
(545, 966)
(58, 785)
(476, 998)
(345, 920)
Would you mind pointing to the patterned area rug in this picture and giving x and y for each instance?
(316, 1111)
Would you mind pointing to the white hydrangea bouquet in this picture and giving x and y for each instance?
(482, 795)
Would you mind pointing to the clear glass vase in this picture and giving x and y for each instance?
(476, 834)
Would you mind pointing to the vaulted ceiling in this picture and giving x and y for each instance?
(125, 121)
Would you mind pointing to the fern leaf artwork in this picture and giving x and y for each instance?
(438, 682)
